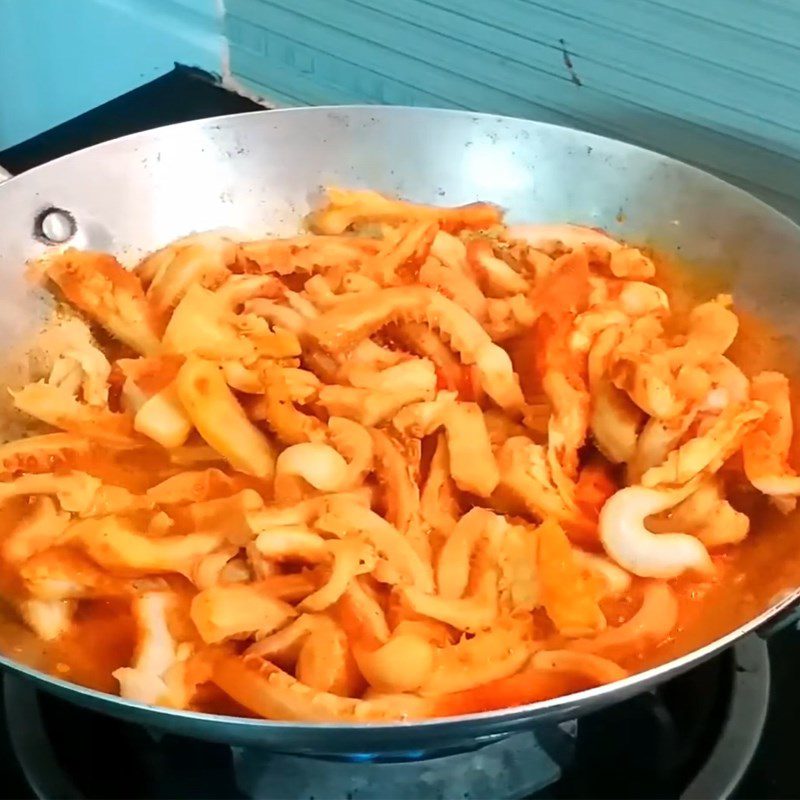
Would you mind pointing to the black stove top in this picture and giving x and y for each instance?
(725, 729)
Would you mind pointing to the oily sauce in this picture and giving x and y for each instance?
(750, 575)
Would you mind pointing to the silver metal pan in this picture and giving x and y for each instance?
(261, 171)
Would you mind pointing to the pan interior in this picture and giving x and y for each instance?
(260, 173)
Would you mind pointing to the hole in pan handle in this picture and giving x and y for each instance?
(54, 226)
(789, 614)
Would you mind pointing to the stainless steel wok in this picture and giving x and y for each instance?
(260, 172)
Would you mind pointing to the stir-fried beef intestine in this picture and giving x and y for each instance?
(410, 463)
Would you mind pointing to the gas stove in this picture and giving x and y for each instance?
(724, 729)
(713, 732)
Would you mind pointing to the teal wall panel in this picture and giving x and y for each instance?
(713, 82)
(59, 58)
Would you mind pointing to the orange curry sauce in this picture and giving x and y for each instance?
(749, 575)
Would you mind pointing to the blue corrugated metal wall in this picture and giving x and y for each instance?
(713, 82)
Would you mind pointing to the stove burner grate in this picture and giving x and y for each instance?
(514, 767)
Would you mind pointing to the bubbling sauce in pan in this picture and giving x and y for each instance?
(412, 600)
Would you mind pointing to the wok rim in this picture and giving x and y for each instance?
(392, 109)
(513, 717)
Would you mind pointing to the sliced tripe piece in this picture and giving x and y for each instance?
(219, 418)
(118, 545)
(156, 651)
(194, 486)
(354, 320)
(347, 518)
(282, 388)
(305, 253)
(48, 619)
(569, 595)
(472, 462)
(347, 207)
(272, 693)
(413, 373)
(166, 670)
(438, 503)
(43, 453)
(370, 407)
(455, 558)
(637, 549)
(498, 276)
(61, 573)
(319, 465)
(238, 611)
(600, 670)
(98, 285)
(325, 661)
(203, 325)
(351, 557)
(396, 472)
(526, 476)
(202, 259)
(570, 236)
(766, 448)
(294, 543)
(474, 612)
(705, 514)
(57, 406)
(403, 664)
(487, 656)
(283, 646)
(76, 492)
(708, 451)
(654, 621)
(163, 418)
(35, 532)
